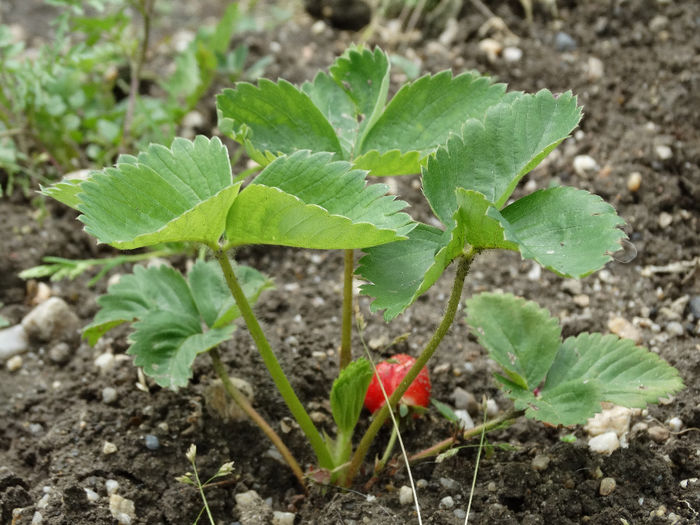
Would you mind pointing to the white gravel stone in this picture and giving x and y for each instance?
(658, 434)
(623, 328)
(449, 483)
(112, 486)
(13, 341)
(109, 395)
(675, 329)
(405, 495)
(447, 502)
(491, 48)
(52, 320)
(252, 509)
(109, 448)
(122, 509)
(14, 363)
(594, 69)
(465, 420)
(37, 518)
(105, 362)
(492, 408)
(675, 424)
(634, 181)
(91, 495)
(665, 219)
(421, 483)
(585, 165)
(604, 443)
(540, 462)
(512, 54)
(283, 518)
(612, 419)
(663, 152)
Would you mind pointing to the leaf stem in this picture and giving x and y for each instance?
(502, 420)
(253, 414)
(346, 329)
(285, 389)
(379, 418)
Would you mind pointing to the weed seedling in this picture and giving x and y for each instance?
(317, 144)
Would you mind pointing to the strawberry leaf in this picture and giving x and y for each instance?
(348, 394)
(308, 201)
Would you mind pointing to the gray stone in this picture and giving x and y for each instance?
(675, 329)
(465, 400)
(447, 502)
(109, 395)
(695, 306)
(252, 509)
(607, 486)
(449, 483)
(60, 353)
(564, 42)
(13, 341)
(52, 320)
(152, 442)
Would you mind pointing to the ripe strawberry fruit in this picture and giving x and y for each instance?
(391, 372)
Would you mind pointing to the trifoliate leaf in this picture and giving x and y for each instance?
(166, 343)
(275, 118)
(519, 335)
(567, 230)
(171, 315)
(494, 153)
(348, 394)
(309, 201)
(163, 195)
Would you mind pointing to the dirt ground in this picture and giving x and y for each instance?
(635, 66)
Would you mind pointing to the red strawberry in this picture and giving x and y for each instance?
(391, 372)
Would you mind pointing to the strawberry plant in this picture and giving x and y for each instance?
(472, 143)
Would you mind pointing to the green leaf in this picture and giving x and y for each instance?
(424, 113)
(400, 272)
(164, 195)
(309, 201)
(274, 119)
(493, 155)
(65, 191)
(147, 289)
(390, 163)
(481, 231)
(166, 343)
(567, 230)
(348, 394)
(519, 335)
(629, 375)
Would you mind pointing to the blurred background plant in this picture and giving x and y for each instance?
(87, 94)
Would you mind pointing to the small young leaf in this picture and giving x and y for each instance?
(308, 201)
(348, 394)
(481, 231)
(519, 335)
(274, 119)
(567, 230)
(493, 154)
(177, 194)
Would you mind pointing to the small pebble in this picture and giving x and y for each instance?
(109, 395)
(91, 495)
(122, 509)
(604, 443)
(491, 48)
(675, 424)
(594, 69)
(283, 518)
(37, 518)
(564, 42)
(13, 340)
(52, 320)
(109, 448)
(112, 486)
(447, 502)
(492, 408)
(421, 483)
(607, 486)
(405, 495)
(623, 328)
(35, 429)
(60, 353)
(14, 363)
(665, 219)
(512, 54)
(695, 306)
(634, 181)
(675, 329)
(105, 362)
(612, 419)
(658, 434)
(465, 420)
(585, 165)
(686, 482)
(663, 152)
(540, 462)
(449, 483)
(460, 514)
(582, 300)
(465, 400)
(152, 442)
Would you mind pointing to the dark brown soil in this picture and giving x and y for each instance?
(55, 424)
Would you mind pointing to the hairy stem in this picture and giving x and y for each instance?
(346, 330)
(253, 414)
(379, 418)
(501, 421)
(272, 364)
